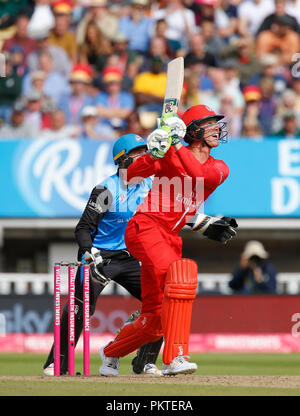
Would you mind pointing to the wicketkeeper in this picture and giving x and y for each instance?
(168, 281)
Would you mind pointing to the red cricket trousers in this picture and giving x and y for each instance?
(156, 248)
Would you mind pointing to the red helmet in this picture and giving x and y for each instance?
(193, 119)
(199, 113)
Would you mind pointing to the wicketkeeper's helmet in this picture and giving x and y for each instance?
(125, 144)
(193, 119)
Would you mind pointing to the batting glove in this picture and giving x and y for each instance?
(159, 142)
(177, 126)
(215, 228)
(95, 261)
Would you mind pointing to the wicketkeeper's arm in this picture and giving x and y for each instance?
(98, 203)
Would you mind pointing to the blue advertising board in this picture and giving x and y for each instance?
(53, 178)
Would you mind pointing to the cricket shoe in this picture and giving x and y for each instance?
(180, 365)
(110, 365)
(49, 371)
(149, 370)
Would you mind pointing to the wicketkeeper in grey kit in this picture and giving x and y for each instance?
(100, 236)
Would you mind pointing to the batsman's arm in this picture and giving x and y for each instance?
(98, 203)
(143, 167)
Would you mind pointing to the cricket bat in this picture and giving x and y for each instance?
(175, 76)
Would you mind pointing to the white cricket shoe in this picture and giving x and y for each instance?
(149, 370)
(180, 365)
(110, 365)
(49, 371)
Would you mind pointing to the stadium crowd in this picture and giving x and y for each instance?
(97, 68)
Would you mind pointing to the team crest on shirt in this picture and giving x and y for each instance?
(122, 197)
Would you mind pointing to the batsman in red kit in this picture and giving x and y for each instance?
(184, 177)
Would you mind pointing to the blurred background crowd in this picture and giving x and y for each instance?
(97, 68)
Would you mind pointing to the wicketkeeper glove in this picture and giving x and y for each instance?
(159, 142)
(177, 126)
(95, 261)
(215, 228)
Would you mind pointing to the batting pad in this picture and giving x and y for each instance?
(180, 292)
(147, 328)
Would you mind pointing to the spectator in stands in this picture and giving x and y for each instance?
(61, 61)
(93, 128)
(114, 104)
(98, 11)
(252, 96)
(197, 50)
(158, 47)
(181, 24)
(197, 67)
(10, 90)
(73, 102)
(270, 68)
(255, 275)
(251, 14)
(291, 128)
(18, 127)
(242, 50)
(20, 37)
(214, 44)
(42, 18)
(204, 10)
(267, 105)
(38, 79)
(55, 85)
(17, 58)
(251, 128)
(136, 26)
(129, 61)
(61, 35)
(35, 114)
(287, 103)
(94, 46)
(280, 10)
(161, 27)
(279, 39)
(226, 19)
(149, 87)
(59, 129)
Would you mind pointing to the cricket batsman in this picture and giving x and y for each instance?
(168, 281)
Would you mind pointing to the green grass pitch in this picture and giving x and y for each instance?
(217, 374)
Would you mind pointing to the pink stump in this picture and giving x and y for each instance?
(86, 320)
(56, 320)
(71, 318)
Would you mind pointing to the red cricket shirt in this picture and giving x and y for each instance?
(180, 185)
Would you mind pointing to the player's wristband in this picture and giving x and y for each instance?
(175, 140)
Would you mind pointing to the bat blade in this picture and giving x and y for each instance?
(175, 76)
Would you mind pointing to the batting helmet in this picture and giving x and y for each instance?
(125, 144)
(193, 119)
